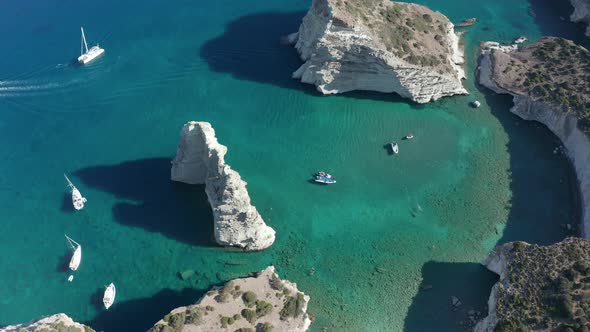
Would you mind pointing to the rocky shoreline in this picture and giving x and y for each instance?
(564, 125)
(541, 288)
(519, 72)
(261, 303)
(200, 160)
(53, 323)
(379, 45)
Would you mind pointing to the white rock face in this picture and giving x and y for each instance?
(54, 323)
(267, 286)
(341, 57)
(497, 263)
(200, 160)
(564, 126)
(581, 13)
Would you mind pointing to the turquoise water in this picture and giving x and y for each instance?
(362, 248)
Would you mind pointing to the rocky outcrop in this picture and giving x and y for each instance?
(541, 288)
(494, 75)
(379, 45)
(200, 160)
(54, 323)
(581, 13)
(260, 303)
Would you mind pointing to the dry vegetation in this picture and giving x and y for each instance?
(554, 70)
(549, 288)
(409, 31)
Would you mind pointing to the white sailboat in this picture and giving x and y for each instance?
(91, 53)
(109, 295)
(77, 199)
(77, 256)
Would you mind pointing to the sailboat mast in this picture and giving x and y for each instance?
(84, 39)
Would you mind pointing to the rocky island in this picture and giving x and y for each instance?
(550, 82)
(200, 160)
(581, 13)
(53, 323)
(379, 45)
(262, 303)
(541, 288)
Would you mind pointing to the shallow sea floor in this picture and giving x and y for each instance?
(362, 248)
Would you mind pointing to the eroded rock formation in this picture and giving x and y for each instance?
(200, 160)
(379, 45)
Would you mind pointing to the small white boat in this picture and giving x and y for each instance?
(520, 40)
(77, 256)
(77, 199)
(109, 295)
(394, 147)
(91, 53)
(71, 277)
(409, 136)
(476, 104)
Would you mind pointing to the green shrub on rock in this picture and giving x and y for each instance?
(250, 315)
(249, 298)
(263, 308)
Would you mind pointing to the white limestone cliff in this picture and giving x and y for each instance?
(347, 50)
(200, 160)
(581, 13)
(563, 125)
(286, 307)
(496, 262)
(53, 323)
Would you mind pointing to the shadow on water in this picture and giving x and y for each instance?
(552, 17)
(432, 309)
(536, 212)
(123, 316)
(63, 264)
(250, 50)
(152, 201)
(66, 203)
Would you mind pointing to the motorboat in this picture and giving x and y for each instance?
(109, 295)
(409, 136)
(87, 55)
(394, 147)
(323, 177)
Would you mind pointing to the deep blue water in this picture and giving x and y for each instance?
(477, 176)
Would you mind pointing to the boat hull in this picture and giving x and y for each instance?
(76, 259)
(89, 56)
(109, 295)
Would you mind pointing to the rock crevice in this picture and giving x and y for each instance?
(200, 160)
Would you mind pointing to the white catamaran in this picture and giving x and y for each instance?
(77, 256)
(109, 295)
(91, 53)
(77, 199)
